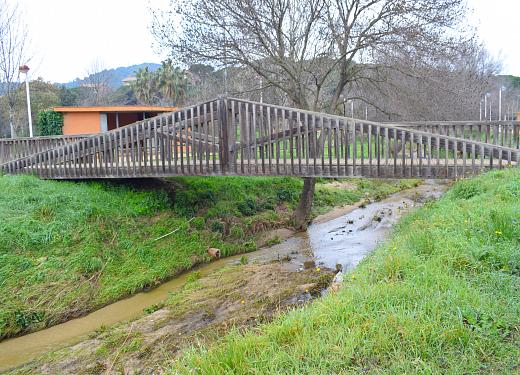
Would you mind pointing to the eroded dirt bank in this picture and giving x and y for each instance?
(240, 292)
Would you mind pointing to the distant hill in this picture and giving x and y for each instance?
(115, 76)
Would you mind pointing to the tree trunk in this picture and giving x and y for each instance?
(11, 124)
(302, 213)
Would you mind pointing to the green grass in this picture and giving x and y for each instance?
(68, 248)
(441, 297)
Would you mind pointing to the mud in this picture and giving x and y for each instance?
(237, 296)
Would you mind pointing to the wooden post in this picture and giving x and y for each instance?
(224, 151)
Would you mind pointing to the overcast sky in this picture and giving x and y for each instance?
(68, 35)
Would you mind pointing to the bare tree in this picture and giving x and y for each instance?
(310, 50)
(98, 83)
(13, 53)
(402, 86)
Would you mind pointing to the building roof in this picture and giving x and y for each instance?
(129, 79)
(126, 108)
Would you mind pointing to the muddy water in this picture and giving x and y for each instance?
(344, 241)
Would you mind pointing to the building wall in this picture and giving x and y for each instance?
(81, 123)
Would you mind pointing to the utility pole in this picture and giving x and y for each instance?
(25, 70)
(500, 104)
(480, 110)
(485, 106)
(261, 90)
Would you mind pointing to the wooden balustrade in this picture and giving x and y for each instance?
(239, 137)
(503, 133)
(17, 148)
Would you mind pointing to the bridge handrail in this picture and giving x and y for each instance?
(236, 136)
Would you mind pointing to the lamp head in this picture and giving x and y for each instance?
(24, 69)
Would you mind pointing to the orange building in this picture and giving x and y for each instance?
(92, 120)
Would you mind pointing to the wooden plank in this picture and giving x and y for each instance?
(284, 141)
(193, 144)
(464, 159)
(205, 127)
(429, 156)
(301, 143)
(213, 136)
(403, 154)
(337, 146)
(412, 146)
(186, 141)
(369, 136)
(354, 148)
(254, 136)
(396, 150)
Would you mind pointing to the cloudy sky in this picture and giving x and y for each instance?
(68, 35)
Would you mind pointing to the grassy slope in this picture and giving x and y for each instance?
(441, 297)
(67, 248)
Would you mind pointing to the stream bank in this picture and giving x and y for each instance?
(239, 291)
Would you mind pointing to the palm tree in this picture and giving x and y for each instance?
(145, 86)
(172, 82)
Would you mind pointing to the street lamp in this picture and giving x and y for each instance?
(351, 101)
(485, 106)
(25, 70)
(500, 104)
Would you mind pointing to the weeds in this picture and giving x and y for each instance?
(440, 297)
(68, 248)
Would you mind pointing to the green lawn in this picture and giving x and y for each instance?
(67, 248)
(441, 297)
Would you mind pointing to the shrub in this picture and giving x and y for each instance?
(467, 189)
(237, 232)
(198, 223)
(50, 122)
(217, 226)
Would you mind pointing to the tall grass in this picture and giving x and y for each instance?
(67, 248)
(441, 297)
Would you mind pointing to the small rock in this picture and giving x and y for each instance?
(307, 287)
(308, 264)
(338, 278)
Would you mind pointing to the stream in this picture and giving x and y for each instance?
(338, 240)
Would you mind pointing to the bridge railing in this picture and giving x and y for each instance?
(16, 148)
(239, 137)
(503, 133)
(183, 142)
(274, 140)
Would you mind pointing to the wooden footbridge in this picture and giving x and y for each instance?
(238, 137)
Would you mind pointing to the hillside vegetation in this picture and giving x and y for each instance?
(68, 248)
(442, 296)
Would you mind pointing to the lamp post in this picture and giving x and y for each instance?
(500, 105)
(25, 70)
(351, 101)
(344, 104)
(485, 106)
